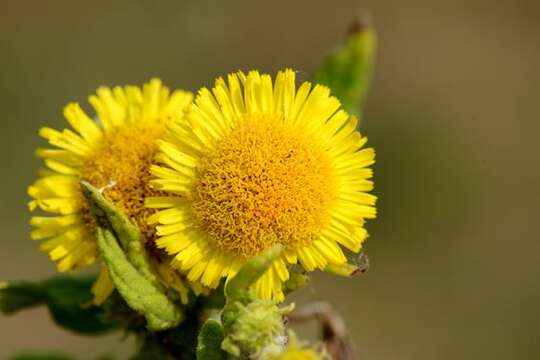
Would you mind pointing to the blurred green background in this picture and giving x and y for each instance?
(453, 115)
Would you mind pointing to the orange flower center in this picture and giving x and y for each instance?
(120, 165)
(264, 183)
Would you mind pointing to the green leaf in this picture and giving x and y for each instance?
(67, 298)
(140, 294)
(129, 267)
(348, 70)
(20, 295)
(129, 234)
(209, 341)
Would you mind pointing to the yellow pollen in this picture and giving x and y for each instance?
(264, 183)
(120, 165)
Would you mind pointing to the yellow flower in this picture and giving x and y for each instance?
(299, 354)
(254, 164)
(113, 153)
(296, 350)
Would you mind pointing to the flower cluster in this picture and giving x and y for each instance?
(210, 182)
(232, 191)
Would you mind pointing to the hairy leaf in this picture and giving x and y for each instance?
(140, 294)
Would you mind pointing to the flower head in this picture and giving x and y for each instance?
(113, 153)
(257, 163)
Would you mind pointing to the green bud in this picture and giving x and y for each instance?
(256, 326)
(251, 324)
(348, 70)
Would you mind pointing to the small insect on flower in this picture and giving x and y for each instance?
(257, 163)
(113, 153)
